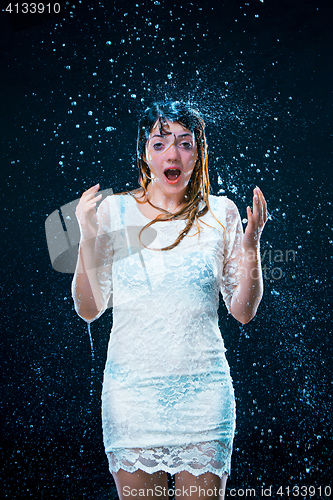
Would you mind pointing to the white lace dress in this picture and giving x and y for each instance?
(167, 400)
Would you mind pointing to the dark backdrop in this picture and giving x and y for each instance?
(72, 88)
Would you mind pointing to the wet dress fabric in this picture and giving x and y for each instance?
(167, 399)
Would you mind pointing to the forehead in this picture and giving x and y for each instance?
(170, 127)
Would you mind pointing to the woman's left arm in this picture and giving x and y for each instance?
(248, 293)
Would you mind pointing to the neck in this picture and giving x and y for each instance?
(171, 202)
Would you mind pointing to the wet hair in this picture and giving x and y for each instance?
(196, 199)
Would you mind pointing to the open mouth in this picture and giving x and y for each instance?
(172, 174)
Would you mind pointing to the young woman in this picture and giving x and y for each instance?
(163, 252)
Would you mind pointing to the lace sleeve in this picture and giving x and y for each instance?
(103, 261)
(233, 252)
(103, 254)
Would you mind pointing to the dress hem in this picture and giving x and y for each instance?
(162, 467)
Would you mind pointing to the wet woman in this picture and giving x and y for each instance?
(162, 253)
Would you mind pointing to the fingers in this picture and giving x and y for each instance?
(93, 188)
(263, 207)
(256, 208)
(249, 216)
(256, 218)
(259, 207)
(91, 191)
(88, 200)
(89, 197)
(91, 203)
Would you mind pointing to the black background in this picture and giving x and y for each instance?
(261, 74)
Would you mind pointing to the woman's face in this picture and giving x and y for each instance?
(171, 155)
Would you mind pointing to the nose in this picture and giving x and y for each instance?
(172, 153)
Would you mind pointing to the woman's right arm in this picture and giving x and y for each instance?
(86, 290)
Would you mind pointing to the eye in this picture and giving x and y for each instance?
(186, 145)
(158, 146)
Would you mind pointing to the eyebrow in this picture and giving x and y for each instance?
(170, 133)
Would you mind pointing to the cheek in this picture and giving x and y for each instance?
(191, 159)
(153, 156)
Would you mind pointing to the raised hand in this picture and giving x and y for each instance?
(86, 213)
(256, 220)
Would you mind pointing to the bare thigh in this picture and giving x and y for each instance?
(207, 486)
(140, 484)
